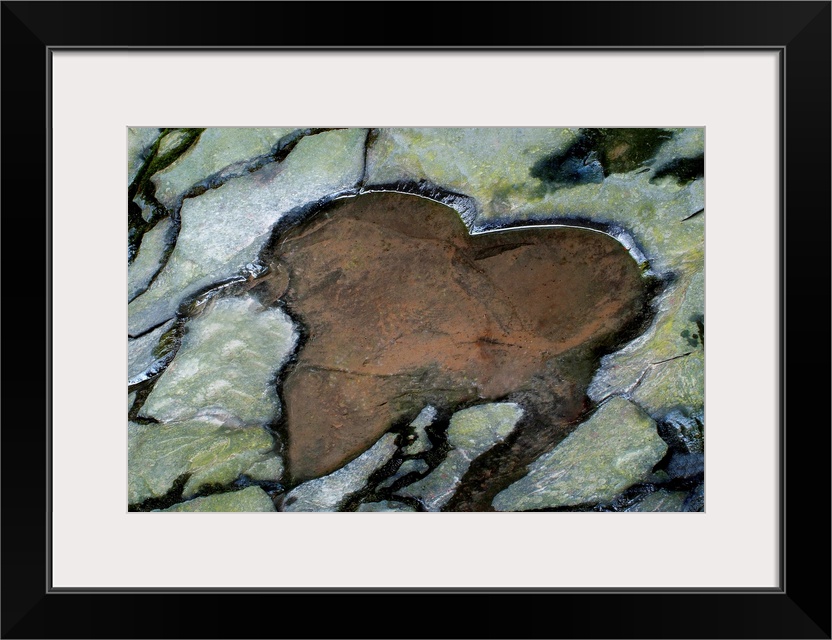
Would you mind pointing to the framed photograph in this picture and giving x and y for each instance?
(460, 276)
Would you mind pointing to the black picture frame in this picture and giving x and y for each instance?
(799, 608)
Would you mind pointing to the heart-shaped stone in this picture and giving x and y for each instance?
(402, 307)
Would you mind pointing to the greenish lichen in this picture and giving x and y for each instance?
(248, 500)
(210, 452)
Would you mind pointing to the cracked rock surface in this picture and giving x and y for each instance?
(416, 319)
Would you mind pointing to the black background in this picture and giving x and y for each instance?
(800, 610)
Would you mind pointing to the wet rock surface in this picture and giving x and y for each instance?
(471, 432)
(226, 365)
(199, 453)
(315, 313)
(142, 352)
(403, 307)
(225, 227)
(604, 456)
(327, 493)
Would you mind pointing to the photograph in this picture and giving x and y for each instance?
(410, 261)
(388, 319)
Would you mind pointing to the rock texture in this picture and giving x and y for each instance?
(225, 228)
(403, 308)
(471, 432)
(249, 499)
(206, 450)
(386, 314)
(611, 451)
(327, 493)
(226, 365)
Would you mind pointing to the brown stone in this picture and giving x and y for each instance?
(403, 308)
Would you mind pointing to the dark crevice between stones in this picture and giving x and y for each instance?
(142, 392)
(437, 433)
(174, 494)
(191, 307)
(142, 384)
(164, 353)
(695, 500)
(597, 153)
(144, 188)
(172, 497)
(693, 215)
(170, 244)
(279, 426)
(141, 334)
(366, 494)
(278, 153)
(683, 170)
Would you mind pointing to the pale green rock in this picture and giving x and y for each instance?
(225, 228)
(435, 489)
(171, 140)
(140, 350)
(139, 141)
(471, 432)
(421, 442)
(613, 450)
(217, 148)
(148, 260)
(246, 500)
(677, 383)
(490, 164)
(385, 506)
(269, 470)
(408, 466)
(685, 143)
(475, 430)
(652, 214)
(328, 492)
(226, 365)
(654, 368)
(661, 500)
(211, 452)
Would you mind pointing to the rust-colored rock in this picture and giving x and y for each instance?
(403, 308)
